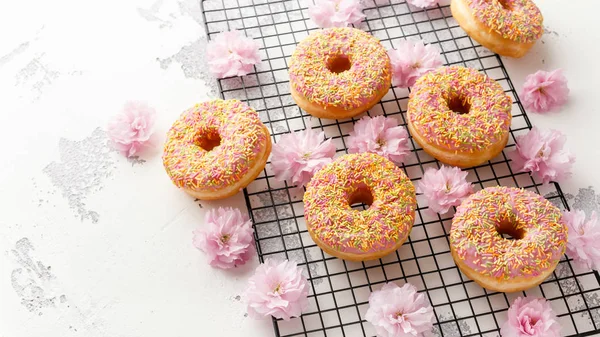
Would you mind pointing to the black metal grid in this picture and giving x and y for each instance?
(340, 289)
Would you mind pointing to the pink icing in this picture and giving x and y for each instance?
(242, 138)
(488, 118)
(369, 73)
(475, 238)
(388, 219)
(517, 20)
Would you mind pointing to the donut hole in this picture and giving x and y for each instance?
(506, 4)
(510, 231)
(459, 105)
(208, 140)
(338, 64)
(361, 197)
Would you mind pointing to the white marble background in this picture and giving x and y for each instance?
(93, 244)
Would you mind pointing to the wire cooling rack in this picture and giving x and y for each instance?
(340, 289)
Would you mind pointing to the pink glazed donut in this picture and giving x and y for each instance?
(356, 235)
(506, 27)
(339, 72)
(459, 116)
(216, 148)
(500, 264)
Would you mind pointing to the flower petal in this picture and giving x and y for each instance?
(336, 13)
(232, 54)
(542, 153)
(380, 135)
(298, 155)
(444, 188)
(531, 317)
(131, 130)
(411, 60)
(399, 311)
(277, 289)
(227, 238)
(544, 91)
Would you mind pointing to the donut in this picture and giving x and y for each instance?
(459, 116)
(359, 235)
(506, 27)
(339, 73)
(216, 148)
(501, 264)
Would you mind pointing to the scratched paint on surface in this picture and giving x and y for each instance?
(191, 56)
(585, 200)
(38, 74)
(451, 328)
(191, 59)
(4, 59)
(82, 168)
(32, 280)
(32, 70)
(136, 160)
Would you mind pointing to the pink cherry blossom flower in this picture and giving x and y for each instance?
(336, 13)
(423, 3)
(379, 135)
(298, 155)
(583, 245)
(226, 238)
(232, 54)
(545, 91)
(399, 312)
(277, 289)
(542, 153)
(530, 317)
(131, 130)
(444, 188)
(411, 60)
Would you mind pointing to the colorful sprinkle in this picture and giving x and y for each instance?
(388, 219)
(488, 118)
(370, 70)
(476, 239)
(521, 21)
(242, 141)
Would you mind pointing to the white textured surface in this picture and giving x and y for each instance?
(93, 244)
